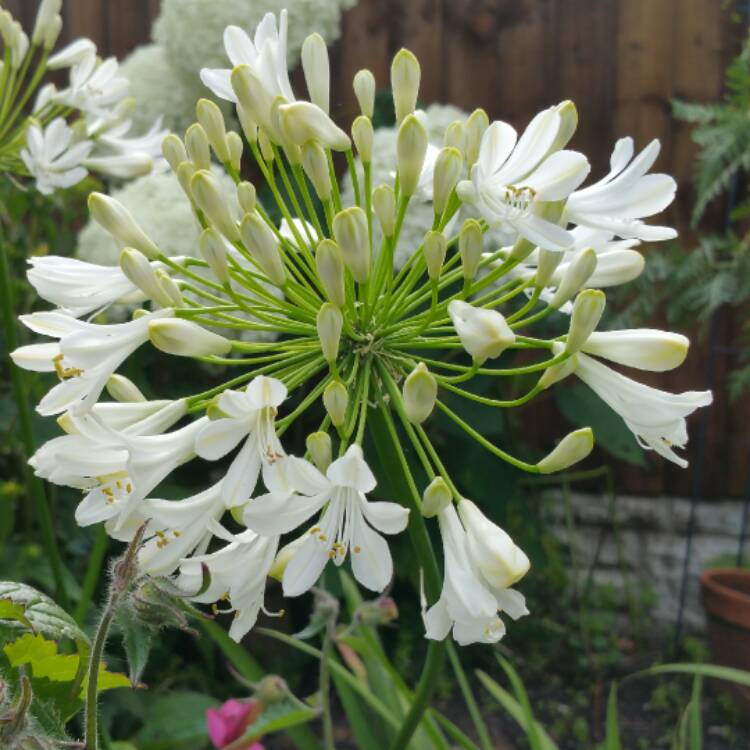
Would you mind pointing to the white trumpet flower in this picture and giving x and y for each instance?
(470, 601)
(95, 86)
(349, 522)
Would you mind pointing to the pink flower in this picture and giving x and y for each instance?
(229, 722)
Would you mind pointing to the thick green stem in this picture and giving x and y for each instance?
(33, 483)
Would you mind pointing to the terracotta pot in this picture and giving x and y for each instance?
(726, 598)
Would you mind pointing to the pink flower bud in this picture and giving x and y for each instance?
(229, 722)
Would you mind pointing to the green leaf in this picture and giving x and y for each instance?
(176, 721)
(612, 735)
(136, 640)
(44, 615)
(16, 611)
(695, 730)
(738, 676)
(531, 725)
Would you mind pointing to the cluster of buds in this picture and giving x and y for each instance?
(359, 343)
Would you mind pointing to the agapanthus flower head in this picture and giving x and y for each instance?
(365, 324)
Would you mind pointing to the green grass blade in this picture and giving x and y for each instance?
(612, 732)
(738, 676)
(468, 695)
(530, 724)
(695, 729)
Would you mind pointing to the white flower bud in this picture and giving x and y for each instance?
(284, 557)
(584, 318)
(212, 121)
(405, 76)
(247, 197)
(420, 394)
(329, 324)
(500, 561)
(411, 148)
(455, 136)
(320, 449)
(186, 339)
(643, 348)
(303, 121)
(434, 248)
(317, 70)
(330, 267)
(350, 232)
(185, 173)
(214, 252)
(123, 389)
(577, 273)
(263, 245)
(48, 11)
(384, 205)
(236, 147)
(169, 289)
(616, 267)
(568, 124)
(362, 135)
(483, 333)
(556, 373)
(115, 219)
(448, 165)
(315, 164)
(470, 245)
(208, 194)
(364, 90)
(266, 147)
(53, 33)
(249, 125)
(547, 264)
(71, 54)
(173, 150)
(198, 147)
(336, 400)
(476, 124)
(574, 447)
(138, 269)
(436, 498)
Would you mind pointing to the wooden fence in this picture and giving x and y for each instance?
(621, 61)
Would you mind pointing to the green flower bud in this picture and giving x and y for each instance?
(263, 245)
(587, 312)
(185, 173)
(336, 400)
(384, 205)
(548, 262)
(247, 197)
(364, 90)
(138, 269)
(568, 124)
(576, 275)
(214, 252)
(411, 148)
(211, 199)
(434, 248)
(115, 219)
(405, 75)
(236, 147)
(362, 135)
(330, 265)
(574, 447)
(475, 126)
(329, 324)
(317, 71)
(173, 150)
(198, 147)
(212, 121)
(420, 394)
(124, 390)
(266, 147)
(315, 164)
(350, 232)
(470, 245)
(436, 497)
(249, 125)
(186, 339)
(448, 165)
(455, 136)
(169, 289)
(320, 449)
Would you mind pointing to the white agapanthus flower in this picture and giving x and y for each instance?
(95, 85)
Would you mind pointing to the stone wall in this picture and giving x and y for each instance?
(653, 536)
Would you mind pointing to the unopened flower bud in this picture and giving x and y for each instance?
(336, 400)
(470, 244)
(263, 245)
(284, 557)
(574, 447)
(364, 90)
(434, 248)
(587, 312)
(169, 289)
(315, 164)
(235, 146)
(123, 389)
(448, 165)
(435, 498)
(46, 19)
(266, 147)
(616, 267)
(320, 449)
(214, 252)
(420, 394)
(115, 219)
(350, 232)
(198, 147)
(384, 205)
(254, 101)
(568, 124)
(138, 269)
(185, 173)
(548, 262)
(271, 690)
(476, 124)
(405, 76)
(249, 125)
(212, 121)
(411, 148)
(362, 135)
(208, 194)
(455, 136)
(576, 275)
(186, 339)
(556, 373)
(317, 70)
(173, 150)
(329, 323)
(330, 266)
(484, 333)
(303, 121)
(380, 611)
(247, 197)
